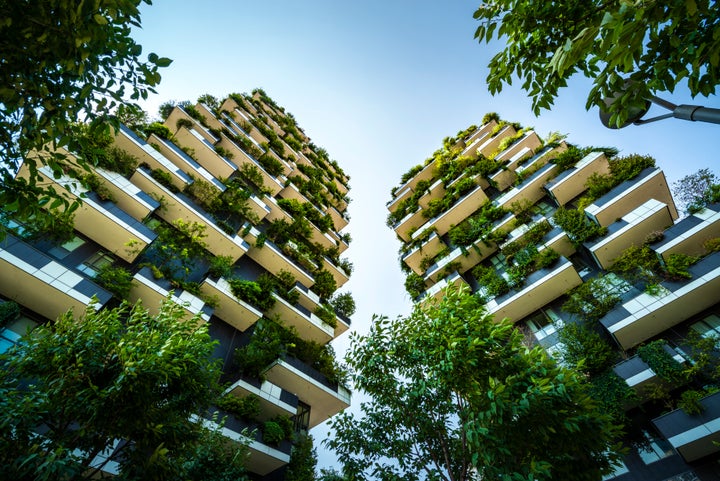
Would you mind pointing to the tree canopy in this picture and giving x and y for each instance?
(62, 62)
(655, 44)
(455, 395)
(117, 382)
(696, 190)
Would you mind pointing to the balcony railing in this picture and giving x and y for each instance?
(230, 309)
(464, 206)
(36, 281)
(693, 436)
(310, 386)
(154, 291)
(645, 315)
(308, 325)
(689, 235)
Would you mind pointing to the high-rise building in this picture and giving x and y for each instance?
(234, 213)
(553, 235)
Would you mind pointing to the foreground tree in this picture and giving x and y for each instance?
(656, 44)
(118, 382)
(62, 62)
(696, 190)
(456, 396)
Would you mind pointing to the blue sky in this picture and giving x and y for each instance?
(379, 84)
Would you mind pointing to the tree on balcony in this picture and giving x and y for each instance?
(116, 381)
(455, 395)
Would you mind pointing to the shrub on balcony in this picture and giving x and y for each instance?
(160, 130)
(493, 283)
(252, 174)
(712, 245)
(247, 407)
(676, 266)
(220, 266)
(662, 362)
(116, 280)
(690, 402)
(272, 433)
(344, 304)
(195, 113)
(9, 311)
(273, 166)
(578, 227)
(477, 226)
(326, 313)
(591, 300)
(585, 349)
(204, 194)
(410, 173)
(452, 195)
(97, 185)
(164, 179)
(568, 158)
(613, 393)
(325, 284)
(414, 285)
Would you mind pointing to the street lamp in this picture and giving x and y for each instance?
(684, 112)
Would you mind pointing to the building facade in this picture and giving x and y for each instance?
(234, 213)
(574, 244)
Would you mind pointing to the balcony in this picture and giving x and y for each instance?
(240, 158)
(436, 191)
(274, 400)
(429, 248)
(400, 195)
(646, 316)
(689, 235)
(693, 436)
(426, 173)
(639, 376)
(531, 190)
(153, 292)
(521, 149)
(340, 276)
(309, 326)
(534, 163)
(632, 229)
(217, 165)
(490, 146)
(272, 259)
(437, 291)
(102, 221)
(262, 459)
(627, 196)
(571, 183)
(179, 113)
(230, 309)
(177, 206)
(477, 138)
(210, 117)
(311, 387)
(128, 197)
(33, 279)
(457, 213)
(541, 287)
(410, 222)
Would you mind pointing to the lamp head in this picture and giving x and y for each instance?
(634, 113)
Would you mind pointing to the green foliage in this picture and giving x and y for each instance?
(690, 402)
(273, 166)
(140, 378)
(662, 362)
(591, 300)
(415, 285)
(254, 293)
(613, 394)
(607, 42)
(493, 283)
(343, 303)
(637, 263)
(165, 179)
(325, 284)
(578, 227)
(272, 433)
(676, 265)
(215, 458)
(117, 280)
(252, 174)
(205, 194)
(410, 173)
(9, 311)
(450, 389)
(177, 249)
(303, 459)
(568, 158)
(160, 130)
(247, 407)
(584, 349)
(477, 226)
(489, 117)
(712, 245)
(326, 313)
(221, 266)
(694, 191)
(63, 61)
(95, 184)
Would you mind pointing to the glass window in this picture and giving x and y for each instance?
(709, 326)
(62, 251)
(92, 265)
(655, 449)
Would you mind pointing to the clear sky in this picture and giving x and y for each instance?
(379, 84)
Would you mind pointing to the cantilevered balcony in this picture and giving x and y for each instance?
(33, 279)
(153, 292)
(540, 288)
(649, 184)
(477, 139)
(646, 315)
(688, 236)
(311, 387)
(426, 173)
(529, 165)
(436, 191)
(308, 325)
(274, 400)
(571, 183)
(177, 206)
(128, 196)
(311, 301)
(404, 228)
(340, 276)
(102, 221)
(210, 119)
(240, 158)
(521, 149)
(429, 248)
(261, 458)
(465, 206)
(178, 113)
(185, 164)
(490, 145)
(230, 309)
(217, 165)
(400, 195)
(531, 190)
(639, 376)
(145, 153)
(632, 229)
(272, 259)
(693, 436)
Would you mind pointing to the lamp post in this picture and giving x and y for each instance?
(693, 113)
